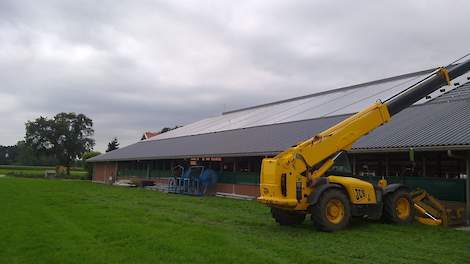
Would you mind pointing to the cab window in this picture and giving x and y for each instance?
(342, 166)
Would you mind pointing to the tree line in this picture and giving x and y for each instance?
(65, 139)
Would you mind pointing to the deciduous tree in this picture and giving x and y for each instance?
(66, 136)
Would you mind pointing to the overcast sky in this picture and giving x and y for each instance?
(134, 66)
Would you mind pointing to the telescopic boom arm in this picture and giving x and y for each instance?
(343, 135)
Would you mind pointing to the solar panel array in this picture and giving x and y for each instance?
(336, 102)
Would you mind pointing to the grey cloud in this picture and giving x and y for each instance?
(136, 66)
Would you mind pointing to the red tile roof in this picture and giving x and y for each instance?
(149, 134)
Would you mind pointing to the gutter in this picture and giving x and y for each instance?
(273, 153)
(406, 149)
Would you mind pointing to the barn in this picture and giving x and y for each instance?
(426, 145)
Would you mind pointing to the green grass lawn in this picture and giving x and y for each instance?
(59, 221)
(38, 171)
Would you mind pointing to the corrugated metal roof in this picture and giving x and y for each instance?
(429, 125)
(254, 141)
(442, 121)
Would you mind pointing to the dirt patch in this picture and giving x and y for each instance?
(463, 228)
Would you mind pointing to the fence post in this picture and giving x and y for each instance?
(148, 170)
(467, 188)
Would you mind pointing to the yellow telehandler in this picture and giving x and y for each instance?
(298, 181)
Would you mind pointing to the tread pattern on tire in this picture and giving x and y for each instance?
(319, 211)
(390, 214)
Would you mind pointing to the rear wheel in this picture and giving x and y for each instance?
(284, 217)
(399, 207)
(332, 211)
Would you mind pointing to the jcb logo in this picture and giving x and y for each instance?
(360, 193)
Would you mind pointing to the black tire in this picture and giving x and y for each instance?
(321, 216)
(392, 213)
(285, 218)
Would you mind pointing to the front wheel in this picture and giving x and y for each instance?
(399, 207)
(284, 217)
(332, 211)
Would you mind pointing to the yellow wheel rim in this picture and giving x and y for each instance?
(403, 208)
(334, 211)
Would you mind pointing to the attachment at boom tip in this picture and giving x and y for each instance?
(445, 73)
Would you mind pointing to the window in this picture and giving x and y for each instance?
(341, 167)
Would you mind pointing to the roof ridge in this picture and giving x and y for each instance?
(398, 77)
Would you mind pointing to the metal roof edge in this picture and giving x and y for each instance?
(402, 76)
(405, 149)
(267, 153)
(98, 158)
(273, 153)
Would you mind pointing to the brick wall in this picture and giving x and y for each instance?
(244, 189)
